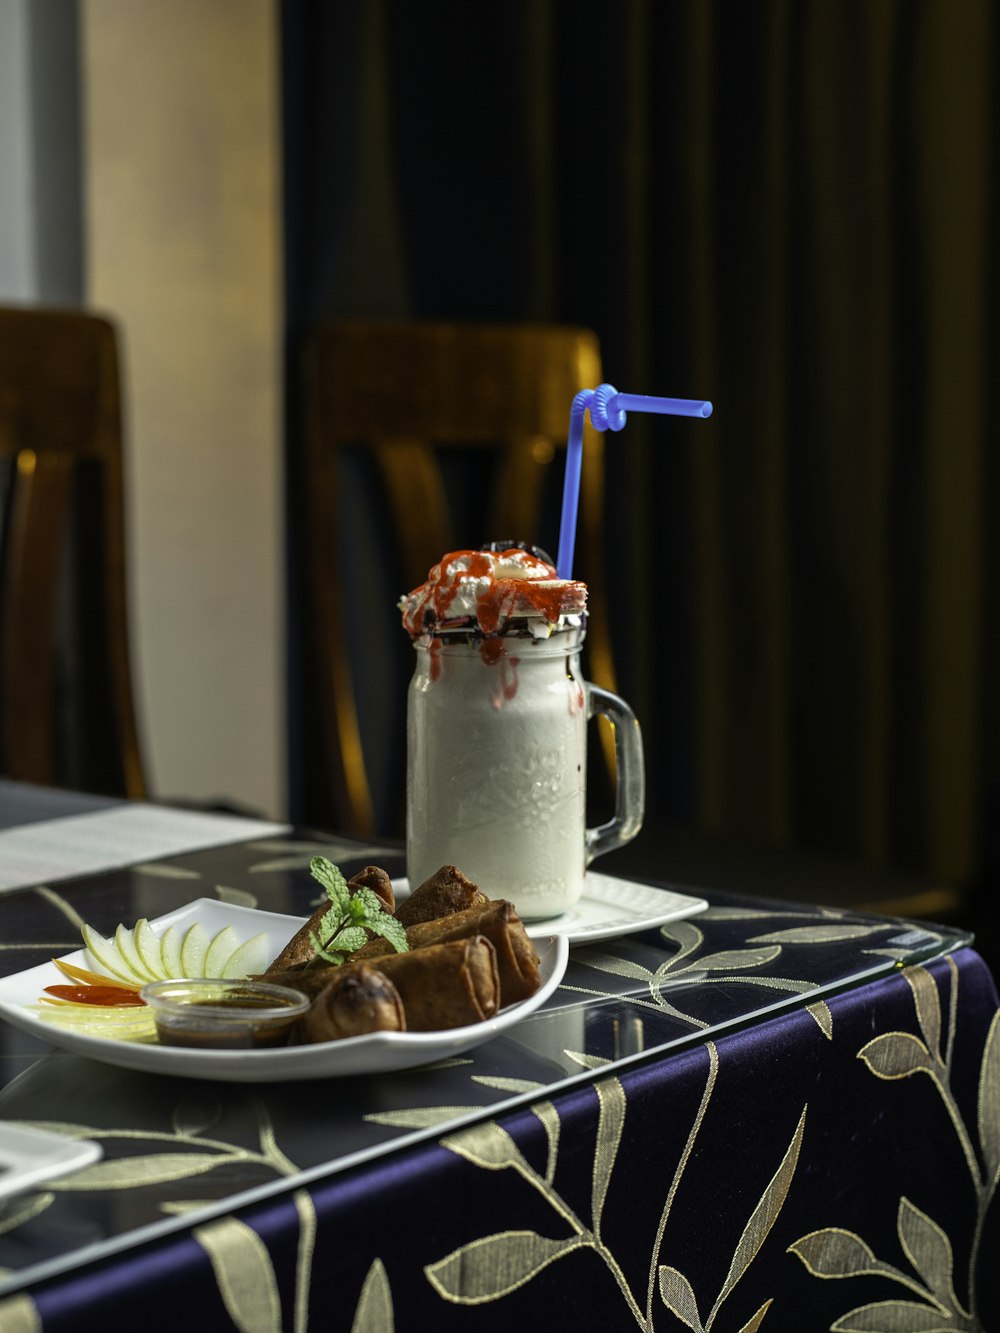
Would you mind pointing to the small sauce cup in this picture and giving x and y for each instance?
(223, 1015)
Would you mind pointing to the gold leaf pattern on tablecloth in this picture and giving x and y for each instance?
(549, 1118)
(297, 855)
(17, 1213)
(764, 1216)
(610, 1125)
(587, 1061)
(34, 946)
(419, 1117)
(125, 1173)
(742, 965)
(306, 1209)
(64, 907)
(236, 897)
(685, 968)
(678, 1296)
(491, 1267)
(820, 1012)
(488, 1146)
(927, 1003)
(989, 1103)
(374, 1312)
(163, 870)
(18, 1314)
(830, 933)
(675, 1288)
(512, 1085)
(790, 913)
(896, 1055)
(192, 1115)
(835, 1253)
(929, 1251)
(282, 863)
(244, 1274)
(893, 1317)
(756, 1319)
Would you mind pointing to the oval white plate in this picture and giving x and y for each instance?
(380, 1052)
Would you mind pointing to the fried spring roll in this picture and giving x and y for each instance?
(447, 891)
(299, 948)
(356, 1001)
(309, 977)
(444, 985)
(517, 958)
(376, 879)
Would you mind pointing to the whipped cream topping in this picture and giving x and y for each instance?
(494, 592)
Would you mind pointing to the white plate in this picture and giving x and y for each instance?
(376, 1053)
(30, 1157)
(609, 907)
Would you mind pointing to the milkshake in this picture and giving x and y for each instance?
(497, 731)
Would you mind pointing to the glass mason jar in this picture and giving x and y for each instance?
(497, 767)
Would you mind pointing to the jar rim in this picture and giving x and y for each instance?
(469, 638)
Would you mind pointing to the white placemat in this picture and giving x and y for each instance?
(128, 834)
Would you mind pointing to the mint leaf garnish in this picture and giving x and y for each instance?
(368, 901)
(345, 925)
(329, 875)
(392, 930)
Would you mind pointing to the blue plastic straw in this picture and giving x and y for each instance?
(607, 412)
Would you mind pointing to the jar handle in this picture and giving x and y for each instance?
(630, 774)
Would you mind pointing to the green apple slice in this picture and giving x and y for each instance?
(104, 955)
(138, 955)
(194, 946)
(125, 944)
(219, 948)
(124, 1025)
(147, 946)
(249, 958)
(170, 953)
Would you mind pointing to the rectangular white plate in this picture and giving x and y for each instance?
(609, 907)
(376, 1053)
(30, 1157)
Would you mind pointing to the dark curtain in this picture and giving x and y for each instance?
(784, 207)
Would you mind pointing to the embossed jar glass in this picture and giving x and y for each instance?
(497, 767)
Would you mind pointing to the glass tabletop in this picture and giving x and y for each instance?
(176, 1151)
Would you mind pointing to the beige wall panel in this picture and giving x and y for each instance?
(182, 220)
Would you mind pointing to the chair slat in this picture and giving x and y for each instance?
(66, 698)
(421, 438)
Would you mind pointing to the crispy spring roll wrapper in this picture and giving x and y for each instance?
(444, 985)
(299, 948)
(308, 977)
(376, 879)
(517, 959)
(356, 1001)
(447, 891)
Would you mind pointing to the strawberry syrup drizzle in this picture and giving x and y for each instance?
(538, 592)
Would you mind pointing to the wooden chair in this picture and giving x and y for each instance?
(66, 706)
(421, 438)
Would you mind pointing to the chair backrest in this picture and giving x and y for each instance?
(420, 438)
(66, 704)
